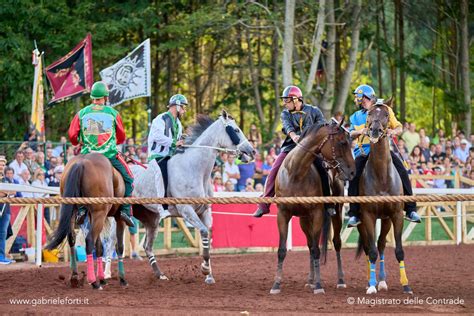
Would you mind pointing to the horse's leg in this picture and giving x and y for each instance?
(365, 246)
(283, 218)
(397, 221)
(98, 215)
(336, 240)
(151, 226)
(119, 248)
(71, 238)
(100, 266)
(206, 219)
(369, 221)
(386, 224)
(188, 213)
(305, 225)
(317, 225)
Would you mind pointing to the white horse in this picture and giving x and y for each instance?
(189, 176)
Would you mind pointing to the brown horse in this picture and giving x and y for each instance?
(90, 175)
(299, 177)
(380, 178)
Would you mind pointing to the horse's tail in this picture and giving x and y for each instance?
(325, 235)
(72, 188)
(360, 248)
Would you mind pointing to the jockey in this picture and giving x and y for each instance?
(165, 137)
(364, 98)
(99, 128)
(295, 118)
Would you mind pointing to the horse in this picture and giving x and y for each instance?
(189, 176)
(90, 175)
(380, 178)
(299, 177)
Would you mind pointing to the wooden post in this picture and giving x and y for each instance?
(167, 233)
(428, 223)
(457, 179)
(30, 223)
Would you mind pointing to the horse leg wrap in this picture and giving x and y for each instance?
(100, 269)
(121, 269)
(90, 269)
(152, 260)
(382, 268)
(403, 274)
(372, 280)
(205, 242)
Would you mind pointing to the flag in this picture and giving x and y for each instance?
(130, 77)
(37, 111)
(72, 75)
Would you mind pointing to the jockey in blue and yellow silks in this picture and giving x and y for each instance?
(364, 97)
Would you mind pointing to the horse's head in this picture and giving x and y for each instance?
(236, 139)
(377, 120)
(336, 149)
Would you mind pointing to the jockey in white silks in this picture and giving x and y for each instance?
(165, 136)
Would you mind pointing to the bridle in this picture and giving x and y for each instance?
(332, 163)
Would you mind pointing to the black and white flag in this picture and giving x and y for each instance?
(129, 78)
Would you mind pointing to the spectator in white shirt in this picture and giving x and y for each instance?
(231, 171)
(18, 165)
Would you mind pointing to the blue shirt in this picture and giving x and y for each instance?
(358, 120)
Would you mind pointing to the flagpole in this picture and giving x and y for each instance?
(148, 110)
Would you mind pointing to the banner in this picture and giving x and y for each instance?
(129, 78)
(37, 109)
(72, 75)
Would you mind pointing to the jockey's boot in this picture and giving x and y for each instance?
(413, 216)
(164, 213)
(125, 215)
(330, 209)
(354, 213)
(81, 215)
(262, 209)
(353, 221)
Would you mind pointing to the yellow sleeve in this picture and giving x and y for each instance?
(393, 123)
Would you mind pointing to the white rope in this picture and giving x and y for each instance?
(211, 147)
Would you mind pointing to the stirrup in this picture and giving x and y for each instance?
(260, 212)
(353, 221)
(80, 218)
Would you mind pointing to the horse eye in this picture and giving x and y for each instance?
(237, 130)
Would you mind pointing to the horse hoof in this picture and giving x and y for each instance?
(371, 290)
(96, 286)
(275, 291)
(382, 286)
(162, 277)
(341, 286)
(74, 280)
(210, 280)
(103, 282)
(319, 291)
(308, 285)
(407, 290)
(205, 269)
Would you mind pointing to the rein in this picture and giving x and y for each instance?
(236, 151)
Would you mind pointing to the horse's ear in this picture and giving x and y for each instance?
(224, 114)
(390, 102)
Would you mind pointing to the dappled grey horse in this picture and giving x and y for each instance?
(189, 175)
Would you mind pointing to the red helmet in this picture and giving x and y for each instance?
(292, 92)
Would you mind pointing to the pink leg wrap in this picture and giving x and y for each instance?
(100, 269)
(90, 269)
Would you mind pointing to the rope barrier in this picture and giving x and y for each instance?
(242, 200)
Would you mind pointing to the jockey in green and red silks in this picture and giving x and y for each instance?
(99, 128)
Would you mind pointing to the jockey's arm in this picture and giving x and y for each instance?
(157, 134)
(74, 130)
(394, 125)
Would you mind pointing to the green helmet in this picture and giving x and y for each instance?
(178, 99)
(99, 90)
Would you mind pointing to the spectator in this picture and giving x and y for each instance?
(249, 185)
(423, 136)
(56, 180)
(131, 152)
(60, 148)
(217, 182)
(254, 136)
(143, 158)
(258, 168)
(411, 137)
(231, 171)
(439, 135)
(4, 215)
(267, 167)
(134, 240)
(53, 163)
(70, 152)
(49, 154)
(30, 160)
(18, 165)
(229, 186)
(40, 161)
(415, 171)
(416, 156)
(259, 187)
(439, 183)
(462, 151)
(10, 178)
(425, 151)
(246, 171)
(272, 152)
(401, 150)
(39, 181)
(438, 156)
(32, 138)
(220, 162)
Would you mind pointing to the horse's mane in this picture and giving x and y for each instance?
(195, 130)
(312, 129)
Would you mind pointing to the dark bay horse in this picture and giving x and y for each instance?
(299, 177)
(380, 178)
(90, 175)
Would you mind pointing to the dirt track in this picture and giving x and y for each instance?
(243, 284)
